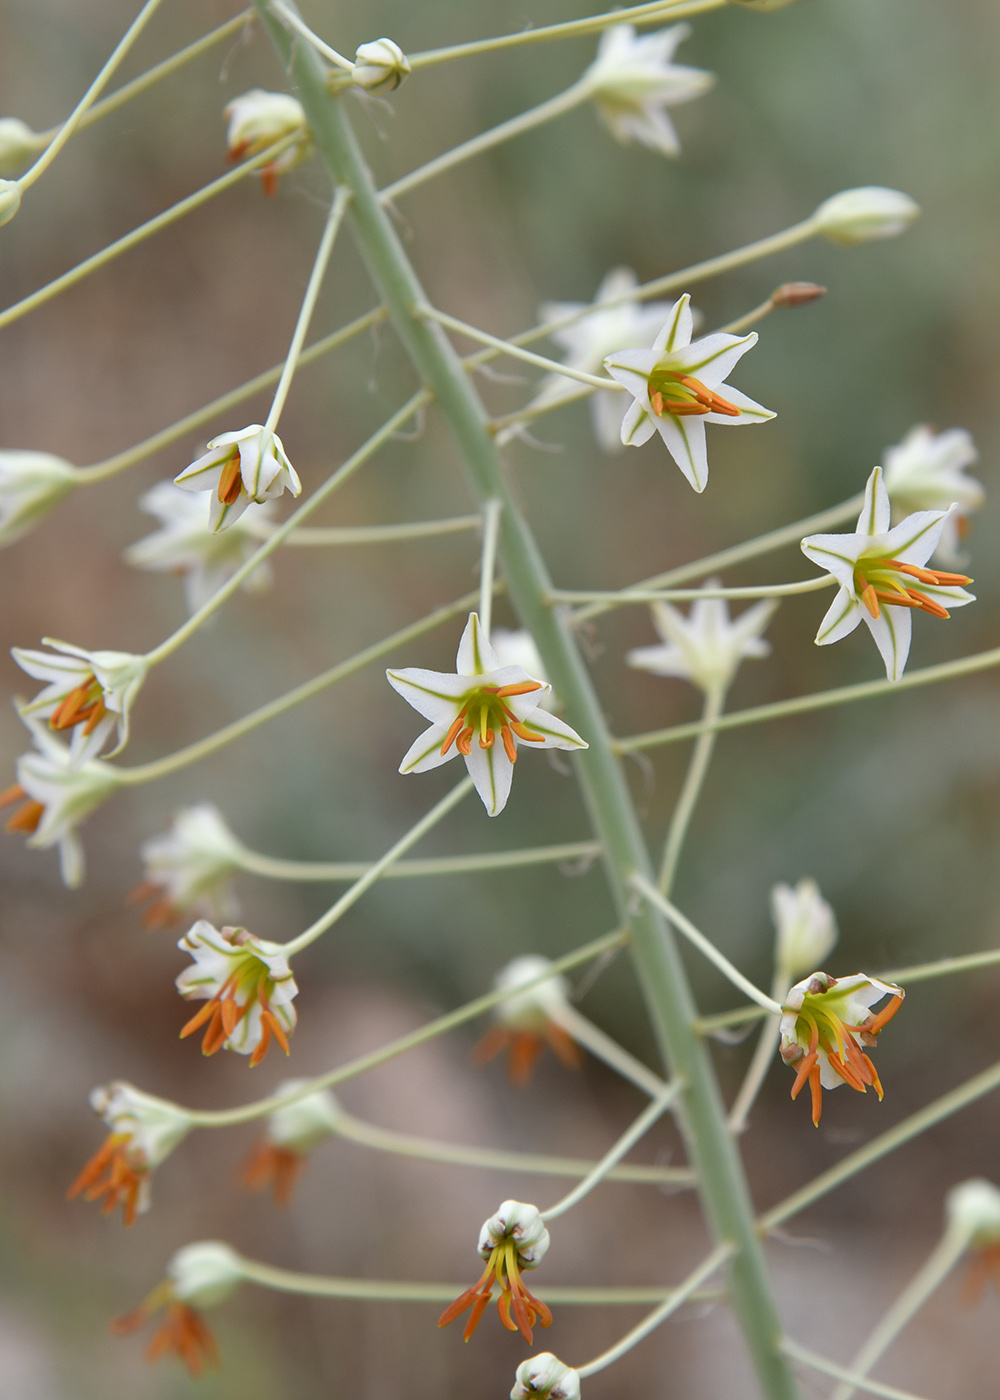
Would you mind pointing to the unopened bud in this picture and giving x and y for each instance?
(973, 1207)
(856, 216)
(522, 1223)
(18, 143)
(796, 294)
(544, 1377)
(10, 200)
(531, 1009)
(380, 66)
(806, 927)
(205, 1273)
(304, 1125)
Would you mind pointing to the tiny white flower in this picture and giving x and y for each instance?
(973, 1208)
(18, 145)
(513, 1239)
(292, 1132)
(205, 1274)
(257, 120)
(185, 545)
(10, 200)
(806, 928)
(190, 868)
(247, 985)
(90, 693)
(31, 483)
(926, 471)
(544, 1377)
(857, 216)
(675, 387)
(380, 66)
(528, 1021)
(705, 647)
(882, 576)
(473, 708)
(144, 1131)
(240, 467)
(632, 81)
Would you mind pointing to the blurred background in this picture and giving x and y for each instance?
(893, 806)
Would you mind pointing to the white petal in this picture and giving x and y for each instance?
(607, 418)
(877, 511)
(491, 771)
(676, 334)
(557, 733)
(651, 127)
(842, 616)
(685, 440)
(892, 630)
(437, 695)
(638, 425)
(750, 410)
(713, 358)
(425, 751)
(475, 655)
(632, 368)
(837, 554)
(221, 516)
(915, 539)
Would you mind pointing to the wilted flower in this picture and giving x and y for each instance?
(470, 709)
(186, 545)
(248, 988)
(528, 1021)
(806, 927)
(380, 66)
(18, 145)
(200, 1275)
(544, 1377)
(292, 1133)
(190, 868)
(632, 81)
(257, 120)
(857, 216)
(705, 647)
(826, 1022)
(240, 467)
(881, 576)
(31, 483)
(926, 471)
(973, 1210)
(513, 1239)
(670, 400)
(90, 693)
(144, 1131)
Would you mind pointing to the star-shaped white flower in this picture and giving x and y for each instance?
(881, 576)
(675, 387)
(483, 712)
(91, 693)
(249, 465)
(926, 471)
(632, 82)
(31, 483)
(248, 987)
(190, 868)
(706, 646)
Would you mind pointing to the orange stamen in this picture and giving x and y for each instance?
(453, 732)
(526, 734)
(509, 747)
(525, 688)
(816, 1090)
(463, 742)
(230, 482)
(26, 818)
(935, 576)
(270, 1165)
(16, 793)
(713, 402)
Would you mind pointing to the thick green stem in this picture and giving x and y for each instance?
(701, 1113)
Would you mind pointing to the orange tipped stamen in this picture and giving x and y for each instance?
(26, 818)
(453, 732)
(869, 595)
(509, 747)
(935, 576)
(816, 1089)
(230, 482)
(713, 402)
(526, 734)
(525, 688)
(463, 742)
(16, 793)
(270, 1165)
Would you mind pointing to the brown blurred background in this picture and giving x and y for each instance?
(893, 807)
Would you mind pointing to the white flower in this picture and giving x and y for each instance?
(240, 467)
(826, 1022)
(806, 927)
(90, 693)
(857, 216)
(632, 81)
(191, 867)
(205, 1274)
(303, 1125)
(31, 483)
(544, 1377)
(529, 1020)
(705, 647)
(671, 400)
(513, 1239)
(469, 710)
(56, 795)
(18, 145)
(380, 66)
(926, 471)
(10, 200)
(144, 1131)
(257, 120)
(881, 576)
(973, 1208)
(248, 987)
(185, 545)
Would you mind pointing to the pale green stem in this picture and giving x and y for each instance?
(760, 1063)
(601, 1045)
(942, 1108)
(750, 318)
(593, 24)
(100, 471)
(273, 868)
(492, 510)
(160, 767)
(351, 896)
(333, 221)
(506, 348)
(153, 75)
(623, 597)
(384, 534)
(687, 1289)
(506, 131)
(633, 1134)
(90, 96)
(293, 21)
(701, 757)
(146, 230)
(704, 945)
(706, 1025)
(424, 1149)
(938, 1266)
(740, 553)
(333, 482)
(840, 1373)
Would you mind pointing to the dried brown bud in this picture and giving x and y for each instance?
(796, 294)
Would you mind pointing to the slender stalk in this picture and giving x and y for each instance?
(701, 757)
(294, 21)
(623, 597)
(924, 972)
(273, 868)
(600, 1045)
(661, 973)
(829, 1368)
(351, 896)
(492, 511)
(761, 1061)
(506, 347)
(384, 534)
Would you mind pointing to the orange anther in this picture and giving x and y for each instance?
(464, 742)
(510, 748)
(525, 688)
(16, 793)
(526, 734)
(230, 482)
(453, 732)
(26, 818)
(486, 740)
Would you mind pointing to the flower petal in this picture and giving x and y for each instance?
(685, 440)
(750, 410)
(892, 630)
(676, 334)
(437, 695)
(425, 751)
(475, 655)
(557, 733)
(842, 616)
(491, 771)
(713, 358)
(915, 539)
(638, 425)
(877, 511)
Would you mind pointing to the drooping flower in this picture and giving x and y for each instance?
(632, 82)
(380, 66)
(190, 868)
(826, 1028)
(31, 483)
(144, 1131)
(201, 1275)
(18, 146)
(882, 576)
(257, 120)
(184, 544)
(527, 1021)
(473, 708)
(705, 647)
(679, 385)
(238, 468)
(805, 925)
(247, 986)
(56, 793)
(544, 1377)
(90, 693)
(292, 1132)
(513, 1239)
(926, 471)
(973, 1211)
(860, 215)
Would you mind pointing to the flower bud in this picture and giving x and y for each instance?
(380, 66)
(31, 483)
(521, 1223)
(856, 216)
(18, 144)
(806, 928)
(303, 1125)
(544, 1377)
(973, 1208)
(796, 294)
(10, 200)
(530, 1010)
(205, 1273)
(190, 867)
(154, 1128)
